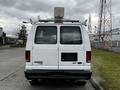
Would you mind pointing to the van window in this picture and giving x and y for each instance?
(46, 35)
(70, 35)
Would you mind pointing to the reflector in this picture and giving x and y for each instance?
(27, 56)
(88, 56)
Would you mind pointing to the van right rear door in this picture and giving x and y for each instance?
(71, 48)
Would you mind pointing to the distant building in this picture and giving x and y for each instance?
(116, 31)
(116, 34)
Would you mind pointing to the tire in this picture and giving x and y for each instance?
(81, 83)
(33, 82)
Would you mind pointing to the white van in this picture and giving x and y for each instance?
(58, 50)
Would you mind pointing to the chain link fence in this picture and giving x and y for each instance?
(113, 45)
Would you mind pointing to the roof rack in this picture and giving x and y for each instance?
(56, 21)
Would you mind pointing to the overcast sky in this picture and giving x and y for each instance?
(12, 12)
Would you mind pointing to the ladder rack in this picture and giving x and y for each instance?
(57, 21)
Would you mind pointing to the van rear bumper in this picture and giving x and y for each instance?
(57, 74)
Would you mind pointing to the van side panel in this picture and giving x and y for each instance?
(87, 46)
(29, 46)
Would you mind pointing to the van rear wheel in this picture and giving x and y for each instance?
(80, 82)
(33, 82)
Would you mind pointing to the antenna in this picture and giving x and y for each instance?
(31, 21)
(38, 18)
(89, 24)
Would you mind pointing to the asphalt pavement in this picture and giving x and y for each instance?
(12, 74)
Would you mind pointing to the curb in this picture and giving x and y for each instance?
(95, 84)
(9, 48)
(4, 47)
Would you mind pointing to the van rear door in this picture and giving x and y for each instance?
(45, 48)
(71, 48)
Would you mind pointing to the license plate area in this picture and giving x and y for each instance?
(68, 57)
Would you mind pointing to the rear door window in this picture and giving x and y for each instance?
(46, 35)
(70, 35)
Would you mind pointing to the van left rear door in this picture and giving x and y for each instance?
(45, 48)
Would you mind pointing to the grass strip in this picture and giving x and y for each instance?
(107, 65)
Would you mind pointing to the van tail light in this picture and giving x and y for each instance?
(88, 56)
(27, 56)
